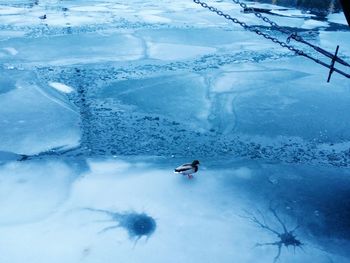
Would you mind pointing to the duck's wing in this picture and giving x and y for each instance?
(184, 167)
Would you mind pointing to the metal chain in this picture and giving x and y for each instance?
(264, 18)
(265, 35)
(292, 35)
(247, 27)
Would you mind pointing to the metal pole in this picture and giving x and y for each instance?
(332, 64)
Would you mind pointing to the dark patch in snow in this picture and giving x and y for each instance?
(286, 238)
(136, 224)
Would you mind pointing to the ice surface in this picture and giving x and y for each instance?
(196, 220)
(165, 51)
(60, 52)
(33, 119)
(30, 192)
(169, 94)
(337, 18)
(101, 100)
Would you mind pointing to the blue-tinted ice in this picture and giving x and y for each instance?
(101, 100)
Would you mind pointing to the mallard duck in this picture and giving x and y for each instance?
(188, 169)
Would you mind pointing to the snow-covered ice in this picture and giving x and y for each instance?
(101, 100)
(61, 87)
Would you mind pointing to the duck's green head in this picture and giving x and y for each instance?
(195, 162)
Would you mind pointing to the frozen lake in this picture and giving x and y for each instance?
(101, 100)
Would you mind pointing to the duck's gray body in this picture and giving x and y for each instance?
(188, 168)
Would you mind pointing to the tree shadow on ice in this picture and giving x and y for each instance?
(285, 238)
(137, 225)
